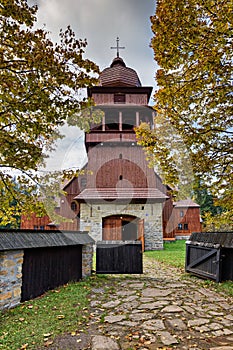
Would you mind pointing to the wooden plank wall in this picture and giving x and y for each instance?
(121, 258)
(48, 268)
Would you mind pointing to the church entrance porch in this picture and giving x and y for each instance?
(121, 222)
(123, 228)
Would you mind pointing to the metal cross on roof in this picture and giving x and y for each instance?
(117, 47)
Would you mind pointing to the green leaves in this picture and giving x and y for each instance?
(41, 88)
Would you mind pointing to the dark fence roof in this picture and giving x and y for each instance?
(23, 239)
(223, 239)
(111, 244)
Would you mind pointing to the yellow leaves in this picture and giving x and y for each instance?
(60, 317)
(192, 45)
(46, 335)
(47, 341)
(41, 89)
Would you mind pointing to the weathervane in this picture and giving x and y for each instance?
(117, 47)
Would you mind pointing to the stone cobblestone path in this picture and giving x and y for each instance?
(158, 310)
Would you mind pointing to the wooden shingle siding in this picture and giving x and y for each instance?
(109, 174)
(108, 99)
(139, 99)
(102, 158)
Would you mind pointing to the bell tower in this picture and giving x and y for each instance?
(123, 198)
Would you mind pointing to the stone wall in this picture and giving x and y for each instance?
(87, 259)
(11, 278)
(92, 215)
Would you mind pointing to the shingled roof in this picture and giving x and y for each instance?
(119, 75)
(23, 239)
(210, 239)
(121, 193)
(186, 203)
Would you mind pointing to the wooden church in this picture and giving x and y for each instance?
(119, 197)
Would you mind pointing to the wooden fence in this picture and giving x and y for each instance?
(45, 269)
(118, 257)
(210, 255)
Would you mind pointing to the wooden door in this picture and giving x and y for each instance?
(112, 229)
(141, 233)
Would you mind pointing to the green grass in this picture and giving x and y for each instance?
(58, 311)
(174, 255)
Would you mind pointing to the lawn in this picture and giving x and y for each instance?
(37, 321)
(173, 254)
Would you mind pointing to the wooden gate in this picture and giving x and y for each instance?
(48, 268)
(119, 257)
(204, 261)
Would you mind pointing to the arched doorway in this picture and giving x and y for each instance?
(122, 228)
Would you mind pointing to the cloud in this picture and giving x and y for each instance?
(69, 151)
(101, 21)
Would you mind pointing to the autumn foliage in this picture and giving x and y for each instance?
(41, 84)
(193, 47)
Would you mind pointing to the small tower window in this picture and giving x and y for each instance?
(181, 213)
(119, 98)
(185, 226)
(120, 177)
(120, 156)
(73, 206)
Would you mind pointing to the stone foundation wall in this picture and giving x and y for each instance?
(91, 220)
(11, 278)
(87, 259)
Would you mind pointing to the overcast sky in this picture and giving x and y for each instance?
(101, 22)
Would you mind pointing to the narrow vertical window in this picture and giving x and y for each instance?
(180, 227)
(73, 206)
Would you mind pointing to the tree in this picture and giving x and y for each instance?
(41, 89)
(193, 46)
